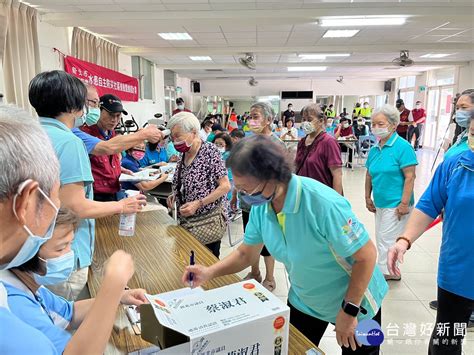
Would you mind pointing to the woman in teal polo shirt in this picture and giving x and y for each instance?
(312, 230)
(390, 179)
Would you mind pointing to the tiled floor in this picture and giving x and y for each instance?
(407, 300)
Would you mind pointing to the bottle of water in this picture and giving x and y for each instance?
(127, 220)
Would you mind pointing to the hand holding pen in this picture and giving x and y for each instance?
(196, 275)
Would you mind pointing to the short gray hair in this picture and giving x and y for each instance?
(25, 152)
(266, 109)
(313, 110)
(186, 120)
(390, 112)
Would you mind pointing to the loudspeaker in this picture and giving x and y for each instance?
(387, 86)
(196, 86)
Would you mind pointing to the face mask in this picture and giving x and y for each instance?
(31, 246)
(182, 147)
(280, 124)
(256, 199)
(307, 127)
(290, 108)
(360, 123)
(255, 126)
(92, 117)
(365, 106)
(470, 142)
(181, 107)
(345, 125)
(221, 150)
(57, 269)
(329, 123)
(418, 106)
(138, 154)
(380, 132)
(462, 117)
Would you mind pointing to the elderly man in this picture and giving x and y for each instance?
(29, 204)
(119, 143)
(106, 169)
(406, 119)
(180, 106)
(59, 99)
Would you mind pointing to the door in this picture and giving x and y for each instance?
(429, 140)
(444, 113)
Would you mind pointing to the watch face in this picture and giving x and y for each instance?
(351, 309)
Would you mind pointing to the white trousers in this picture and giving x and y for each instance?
(72, 287)
(387, 229)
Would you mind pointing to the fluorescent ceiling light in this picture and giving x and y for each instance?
(362, 21)
(322, 56)
(307, 68)
(200, 58)
(435, 55)
(340, 33)
(178, 36)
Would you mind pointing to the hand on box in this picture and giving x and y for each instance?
(201, 274)
(134, 297)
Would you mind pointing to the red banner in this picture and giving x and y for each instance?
(106, 81)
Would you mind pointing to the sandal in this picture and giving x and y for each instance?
(269, 285)
(251, 276)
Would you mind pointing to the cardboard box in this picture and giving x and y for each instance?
(238, 319)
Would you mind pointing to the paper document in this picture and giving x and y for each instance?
(143, 175)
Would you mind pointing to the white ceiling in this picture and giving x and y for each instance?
(276, 31)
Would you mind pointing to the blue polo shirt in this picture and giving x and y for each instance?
(385, 166)
(44, 311)
(130, 163)
(316, 243)
(18, 337)
(89, 141)
(75, 167)
(154, 157)
(452, 189)
(457, 148)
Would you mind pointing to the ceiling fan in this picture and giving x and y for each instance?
(248, 61)
(403, 60)
(340, 80)
(252, 81)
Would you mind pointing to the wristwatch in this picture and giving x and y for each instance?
(352, 309)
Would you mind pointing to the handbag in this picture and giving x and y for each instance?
(208, 227)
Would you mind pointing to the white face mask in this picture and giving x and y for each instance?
(180, 107)
(221, 150)
(381, 132)
(345, 125)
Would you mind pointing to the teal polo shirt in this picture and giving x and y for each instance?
(75, 167)
(321, 235)
(385, 166)
(458, 148)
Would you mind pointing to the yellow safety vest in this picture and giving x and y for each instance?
(330, 113)
(366, 112)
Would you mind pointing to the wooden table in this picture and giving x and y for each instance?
(161, 251)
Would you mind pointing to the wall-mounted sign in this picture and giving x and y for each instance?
(421, 88)
(179, 89)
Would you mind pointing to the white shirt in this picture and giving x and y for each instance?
(293, 132)
(203, 134)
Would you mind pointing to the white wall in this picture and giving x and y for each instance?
(50, 37)
(144, 110)
(185, 84)
(421, 80)
(274, 87)
(466, 77)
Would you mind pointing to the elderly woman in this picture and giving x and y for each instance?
(260, 123)
(200, 183)
(451, 190)
(464, 105)
(318, 155)
(29, 201)
(312, 230)
(390, 179)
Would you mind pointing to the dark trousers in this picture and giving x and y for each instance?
(404, 135)
(245, 220)
(452, 310)
(215, 248)
(314, 328)
(105, 197)
(417, 132)
(345, 149)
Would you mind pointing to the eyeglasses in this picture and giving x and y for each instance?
(93, 103)
(254, 192)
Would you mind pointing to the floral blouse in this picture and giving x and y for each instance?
(200, 178)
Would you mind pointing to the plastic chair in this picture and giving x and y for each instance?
(365, 144)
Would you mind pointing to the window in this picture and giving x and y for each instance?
(407, 82)
(142, 69)
(408, 98)
(443, 76)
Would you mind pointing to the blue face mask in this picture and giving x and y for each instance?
(462, 117)
(92, 116)
(256, 199)
(31, 246)
(57, 269)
